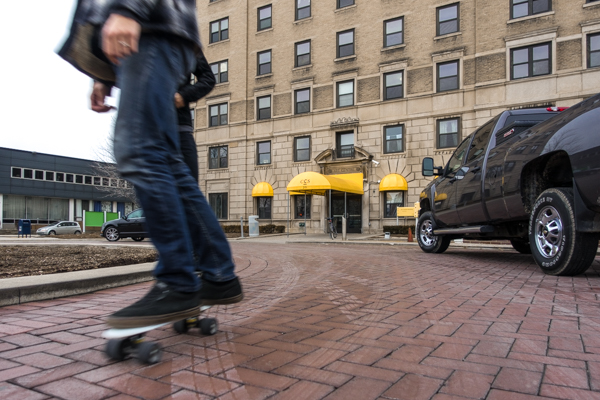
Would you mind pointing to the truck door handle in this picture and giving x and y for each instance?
(476, 170)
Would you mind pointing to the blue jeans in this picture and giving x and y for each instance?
(179, 220)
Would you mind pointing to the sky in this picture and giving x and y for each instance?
(44, 101)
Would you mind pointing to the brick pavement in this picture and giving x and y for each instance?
(333, 322)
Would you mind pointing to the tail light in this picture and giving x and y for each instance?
(556, 109)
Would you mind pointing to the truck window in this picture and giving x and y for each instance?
(456, 160)
(480, 141)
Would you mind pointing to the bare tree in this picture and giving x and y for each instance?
(107, 168)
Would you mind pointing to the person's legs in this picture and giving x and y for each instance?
(189, 150)
(148, 155)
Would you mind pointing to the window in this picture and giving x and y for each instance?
(28, 173)
(218, 157)
(345, 144)
(393, 139)
(393, 200)
(447, 19)
(523, 8)
(218, 203)
(220, 71)
(447, 133)
(219, 30)
(39, 175)
(393, 85)
(264, 107)
(60, 177)
(303, 53)
(302, 9)
(218, 114)
(302, 207)
(593, 50)
(480, 142)
(344, 3)
(302, 148)
(264, 18)
(447, 76)
(263, 150)
(345, 43)
(16, 172)
(302, 100)
(264, 207)
(264, 62)
(69, 178)
(49, 176)
(530, 61)
(97, 181)
(88, 180)
(345, 95)
(78, 178)
(393, 32)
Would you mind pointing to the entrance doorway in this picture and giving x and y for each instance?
(353, 208)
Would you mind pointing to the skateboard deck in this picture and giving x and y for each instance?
(130, 341)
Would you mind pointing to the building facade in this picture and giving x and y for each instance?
(47, 188)
(345, 87)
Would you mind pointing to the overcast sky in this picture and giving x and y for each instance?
(44, 101)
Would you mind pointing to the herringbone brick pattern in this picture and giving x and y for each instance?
(333, 322)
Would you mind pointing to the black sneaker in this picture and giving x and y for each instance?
(160, 305)
(213, 293)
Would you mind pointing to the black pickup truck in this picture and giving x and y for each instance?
(534, 183)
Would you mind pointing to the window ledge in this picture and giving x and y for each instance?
(219, 42)
(218, 169)
(347, 58)
(449, 35)
(264, 30)
(590, 5)
(264, 76)
(216, 126)
(299, 21)
(337, 10)
(210, 3)
(527, 18)
(391, 48)
(221, 84)
(307, 66)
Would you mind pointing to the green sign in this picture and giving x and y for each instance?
(301, 224)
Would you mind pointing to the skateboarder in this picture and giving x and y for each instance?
(148, 48)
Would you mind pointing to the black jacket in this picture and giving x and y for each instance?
(175, 18)
(205, 82)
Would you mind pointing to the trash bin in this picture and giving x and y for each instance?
(253, 225)
(24, 228)
(387, 235)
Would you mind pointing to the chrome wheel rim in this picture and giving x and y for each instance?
(112, 234)
(426, 233)
(548, 232)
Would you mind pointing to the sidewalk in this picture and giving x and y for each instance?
(332, 322)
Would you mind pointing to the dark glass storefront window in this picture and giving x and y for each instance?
(299, 207)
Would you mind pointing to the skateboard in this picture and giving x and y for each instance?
(130, 342)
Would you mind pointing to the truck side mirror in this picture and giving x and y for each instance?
(428, 169)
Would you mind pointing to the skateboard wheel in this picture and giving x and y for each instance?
(149, 352)
(209, 326)
(181, 326)
(115, 348)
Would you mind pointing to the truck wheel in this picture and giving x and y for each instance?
(555, 244)
(427, 241)
(521, 245)
(111, 234)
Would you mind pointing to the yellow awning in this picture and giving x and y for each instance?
(262, 189)
(393, 182)
(317, 184)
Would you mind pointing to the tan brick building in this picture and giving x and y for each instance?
(342, 87)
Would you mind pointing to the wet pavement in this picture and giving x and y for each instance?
(329, 321)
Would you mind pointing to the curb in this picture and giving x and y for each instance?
(46, 287)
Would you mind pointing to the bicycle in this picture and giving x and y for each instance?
(332, 229)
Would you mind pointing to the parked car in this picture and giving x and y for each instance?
(535, 184)
(60, 228)
(131, 225)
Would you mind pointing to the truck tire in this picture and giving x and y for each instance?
(556, 246)
(427, 241)
(521, 245)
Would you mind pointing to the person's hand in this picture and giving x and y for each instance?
(179, 102)
(99, 93)
(120, 37)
